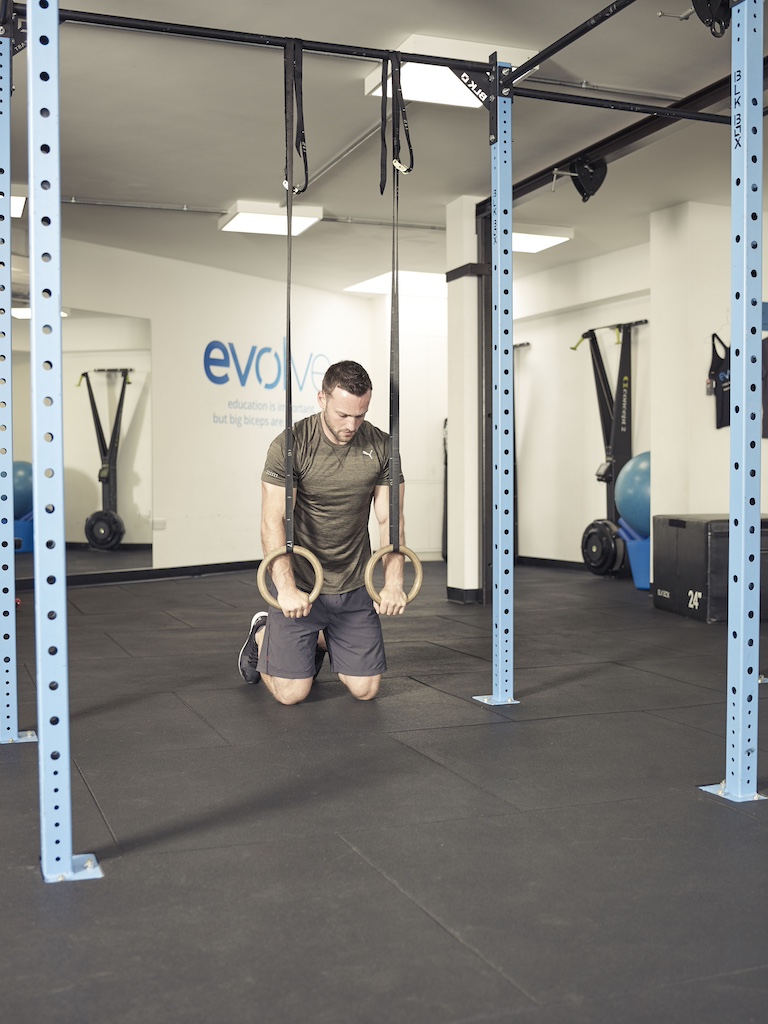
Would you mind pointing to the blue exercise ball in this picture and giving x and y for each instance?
(632, 494)
(22, 489)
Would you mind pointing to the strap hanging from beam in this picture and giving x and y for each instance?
(399, 119)
(294, 122)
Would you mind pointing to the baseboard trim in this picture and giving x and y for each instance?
(458, 596)
(550, 563)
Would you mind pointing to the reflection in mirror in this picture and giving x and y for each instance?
(101, 346)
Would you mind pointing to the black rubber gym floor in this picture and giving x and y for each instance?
(420, 859)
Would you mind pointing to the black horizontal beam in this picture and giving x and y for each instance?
(571, 37)
(675, 113)
(469, 270)
(253, 39)
(628, 137)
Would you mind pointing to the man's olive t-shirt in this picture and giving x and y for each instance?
(335, 485)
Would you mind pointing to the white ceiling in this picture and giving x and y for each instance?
(155, 120)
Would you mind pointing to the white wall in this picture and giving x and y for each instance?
(423, 409)
(464, 521)
(209, 438)
(680, 281)
(690, 279)
(210, 430)
(558, 433)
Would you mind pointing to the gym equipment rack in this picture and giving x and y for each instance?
(58, 861)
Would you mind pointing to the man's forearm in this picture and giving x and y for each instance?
(272, 538)
(394, 569)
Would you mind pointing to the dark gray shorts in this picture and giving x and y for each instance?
(352, 633)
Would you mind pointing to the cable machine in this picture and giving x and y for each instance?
(601, 546)
(105, 529)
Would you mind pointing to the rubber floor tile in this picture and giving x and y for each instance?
(99, 677)
(421, 858)
(292, 931)
(561, 648)
(164, 642)
(137, 723)
(249, 714)
(673, 898)
(709, 671)
(81, 646)
(220, 616)
(476, 647)
(531, 621)
(113, 622)
(20, 815)
(406, 656)
(713, 718)
(600, 689)
(478, 615)
(553, 762)
(671, 636)
(739, 996)
(429, 628)
(220, 796)
(559, 691)
(158, 594)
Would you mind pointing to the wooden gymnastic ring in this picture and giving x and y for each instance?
(261, 575)
(418, 572)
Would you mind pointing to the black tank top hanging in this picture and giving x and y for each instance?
(719, 381)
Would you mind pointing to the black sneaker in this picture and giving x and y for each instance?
(319, 658)
(249, 653)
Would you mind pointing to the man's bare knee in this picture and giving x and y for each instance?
(288, 691)
(362, 687)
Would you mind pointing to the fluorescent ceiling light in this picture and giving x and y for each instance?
(17, 205)
(268, 218)
(435, 83)
(410, 282)
(25, 313)
(426, 83)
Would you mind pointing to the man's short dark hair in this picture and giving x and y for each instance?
(349, 376)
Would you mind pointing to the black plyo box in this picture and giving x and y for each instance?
(690, 566)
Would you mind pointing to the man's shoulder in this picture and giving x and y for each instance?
(307, 428)
(372, 434)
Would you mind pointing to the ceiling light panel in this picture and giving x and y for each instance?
(268, 218)
(436, 83)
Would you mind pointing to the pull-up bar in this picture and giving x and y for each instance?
(252, 39)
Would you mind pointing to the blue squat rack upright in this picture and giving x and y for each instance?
(740, 782)
(58, 862)
(9, 733)
(503, 511)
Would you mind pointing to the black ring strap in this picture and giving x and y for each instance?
(294, 120)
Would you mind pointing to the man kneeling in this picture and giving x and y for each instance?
(340, 466)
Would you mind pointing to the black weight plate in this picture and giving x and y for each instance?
(104, 530)
(601, 549)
